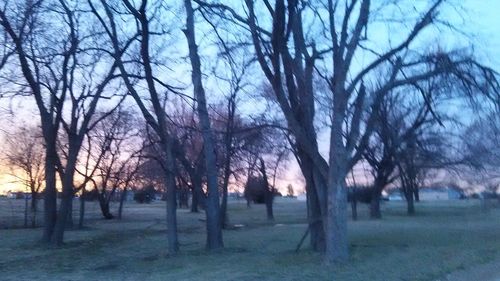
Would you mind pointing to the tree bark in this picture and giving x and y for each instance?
(337, 247)
(66, 206)
(173, 243)
(50, 192)
(314, 214)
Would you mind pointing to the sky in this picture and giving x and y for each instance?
(479, 19)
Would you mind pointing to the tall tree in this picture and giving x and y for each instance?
(59, 65)
(132, 72)
(214, 227)
(24, 153)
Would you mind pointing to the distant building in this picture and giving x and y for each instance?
(302, 197)
(441, 193)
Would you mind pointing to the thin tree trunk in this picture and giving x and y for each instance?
(223, 207)
(69, 220)
(354, 208)
(33, 209)
(269, 205)
(122, 200)
(410, 206)
(194, 200)
(173, 244)
(416, 194)
(269, 194)
(81, 217)
(26, 204)
(379, 185)
(375, 212)
(104, 205)
(214, 228)
(224, 220)
(184, 198)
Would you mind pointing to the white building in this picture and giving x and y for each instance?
(440, 193)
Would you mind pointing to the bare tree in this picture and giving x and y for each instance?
(141, 68)
(214, 227)
(482, 146)
(399, 120)
(24, 153)
(51, 61)
(111, 146)
(288, 55)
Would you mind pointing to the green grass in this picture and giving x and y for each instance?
(443, 237)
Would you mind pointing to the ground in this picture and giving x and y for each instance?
(456, 240)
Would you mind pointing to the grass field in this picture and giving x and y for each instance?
(443, 237)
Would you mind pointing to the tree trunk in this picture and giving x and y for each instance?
(314, 214)
(173, 243)
(337, 244)
(410, 206)
(337, 250)
(26, 204)
(65, 210)
(269, 205)
(194, 201)
(69, 219)
(62, 216)
(214, 228)
(184, 198)
(416, 194)
(375, 212)
(378, 186)
(227, 170)
(104, 205)
(33, 209)
(354, 208)
(50, 193)
(223, 207)
(122, 200)
(198, 199)
(82, 209)
(269, 192)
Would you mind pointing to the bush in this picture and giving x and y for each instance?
(145, 195)
(255, 190)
